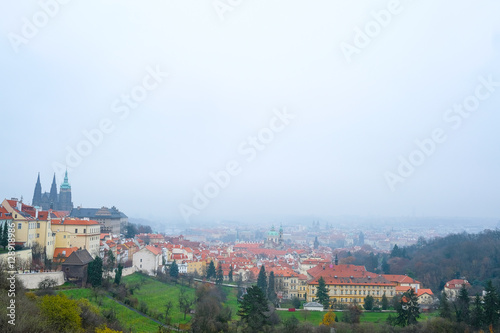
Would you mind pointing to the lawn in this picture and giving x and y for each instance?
(128, 318)
(315, 317)
(156, 294)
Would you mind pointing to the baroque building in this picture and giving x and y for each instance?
(53, 200)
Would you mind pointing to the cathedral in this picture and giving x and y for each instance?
(52, 199)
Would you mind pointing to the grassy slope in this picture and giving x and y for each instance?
(128, 318)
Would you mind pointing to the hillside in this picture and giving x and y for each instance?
(475, 257)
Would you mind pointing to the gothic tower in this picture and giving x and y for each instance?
(37, 195)
(53, 194)
(65, 195)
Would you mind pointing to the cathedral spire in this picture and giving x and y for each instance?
(37, 195)
(53, 191)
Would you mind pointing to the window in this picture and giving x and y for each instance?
(19, 225)
(84, 231)
(38, 225)
(141, 260)
(37, 235)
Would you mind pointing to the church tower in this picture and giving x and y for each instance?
(37, 195)
(65, 202)
(53, 194)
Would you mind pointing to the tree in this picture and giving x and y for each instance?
(477, 313)
(296, 302)
(396, 252)
(408, 311)
(211, 270)
(61, 313)
(210, 316)
(94, 272)
(462, 305)
(328, 319)
(230, 275)
(168, 308)
(253, 308)
(262, 279)
(118, 274)
(385, 302)
(110, 262)
(352, 315)
(271, 291)
(444, 306)
(4, 241)
(491, 305)
(185, 302)
(174, 270)
(369, 303)
(219, 276)
(386, 268)
(322, 295)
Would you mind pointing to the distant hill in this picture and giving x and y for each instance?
(476, 257)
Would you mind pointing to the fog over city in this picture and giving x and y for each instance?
(197, 111)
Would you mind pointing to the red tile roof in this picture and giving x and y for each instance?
(154, 250)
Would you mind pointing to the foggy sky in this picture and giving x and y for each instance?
(352, 115)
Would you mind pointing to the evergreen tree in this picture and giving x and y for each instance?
(118, 274)
(1, 232)
(477, 313)
(491, 305)
(395, 251)
(253, 309)
(385, 302)
(409, 311)
(368, 303)
(4, 236)
(230, 274)
(174, 270)
(322, 295)
(94, 272)
(271, 292)
(386, 268)
(211, 270)
(444, 306)
(462, 305)
(219, 276)
(262, 279)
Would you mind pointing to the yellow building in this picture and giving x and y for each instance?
(197, 266)
(83, 234)
(24, 223)
(348, 290)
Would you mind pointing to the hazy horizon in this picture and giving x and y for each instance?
(188, 111)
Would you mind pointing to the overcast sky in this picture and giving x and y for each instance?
(308, 107)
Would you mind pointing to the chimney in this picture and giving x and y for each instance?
(37, 209)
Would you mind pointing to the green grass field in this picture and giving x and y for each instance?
(156, 294)
(128, 318)
(315, 317)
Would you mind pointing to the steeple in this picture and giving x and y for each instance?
(65, 184)
(53, 192)
(37, 195)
